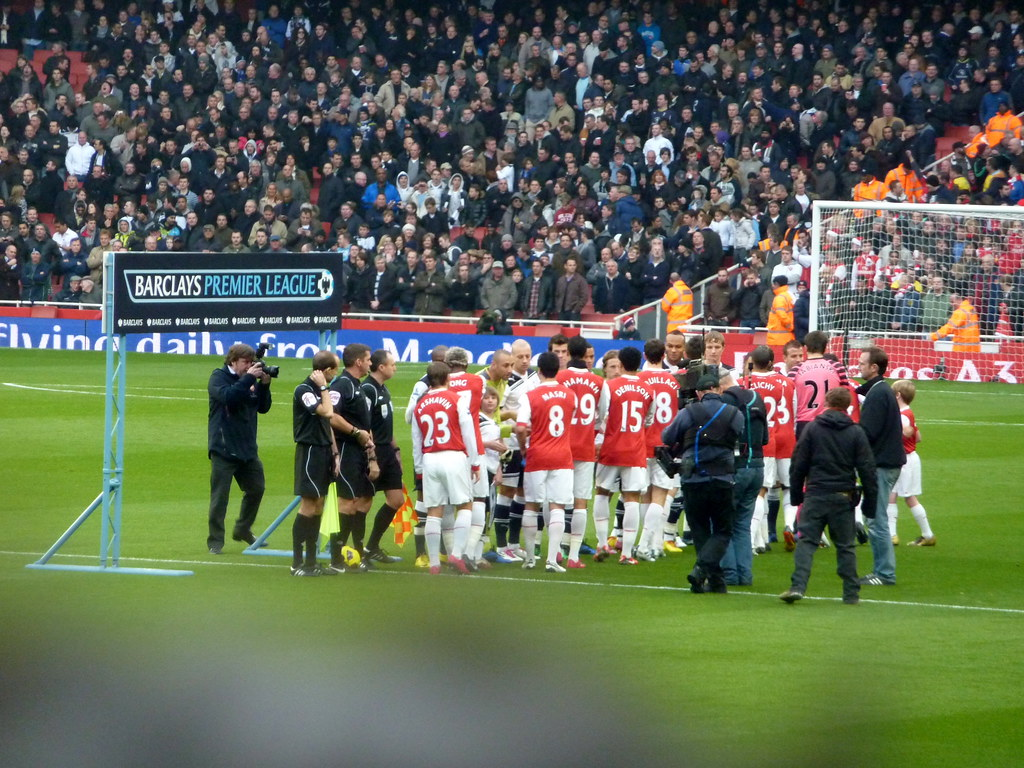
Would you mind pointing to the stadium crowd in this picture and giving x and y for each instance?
(521, 159)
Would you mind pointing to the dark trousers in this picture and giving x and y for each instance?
(249, 475)
(836, 511)
(709, 511)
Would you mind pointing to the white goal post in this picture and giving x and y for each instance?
(939, 287)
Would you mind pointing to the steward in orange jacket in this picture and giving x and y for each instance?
(678, 305)
(962, 325)
(868, 190)
(913, 187)
(1002, 125)
(780, 318)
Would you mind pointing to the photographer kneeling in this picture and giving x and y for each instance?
(239, 391)
(705, 434)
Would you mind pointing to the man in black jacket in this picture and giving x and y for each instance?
(881, 422)
(239, 391)
(739, 557)
(828, 453)
(705, 433)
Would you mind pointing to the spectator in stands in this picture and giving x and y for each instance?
(498, 291)
(611, 292)
(746, 300)
(718, 306)
(35, 278)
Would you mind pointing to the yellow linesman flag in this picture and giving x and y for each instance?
(329, 522)
(405, 517)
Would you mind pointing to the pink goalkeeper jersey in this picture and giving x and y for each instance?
(813, 378)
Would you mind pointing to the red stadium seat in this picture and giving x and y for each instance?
(48, 220)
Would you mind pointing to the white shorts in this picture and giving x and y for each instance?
(583, 480)
(550, 485)
(775, 471)
(446, 477)
(482, 487)
(657, 477)
(628, 479)
(909, 482)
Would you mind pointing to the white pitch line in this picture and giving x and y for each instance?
(555, 580)
(99, 393)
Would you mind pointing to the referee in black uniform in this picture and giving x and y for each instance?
(382, 426)
(316, 459)
(358, 461)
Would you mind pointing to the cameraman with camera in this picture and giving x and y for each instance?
(704, 434)
(239, 391)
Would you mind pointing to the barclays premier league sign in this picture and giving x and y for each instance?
(167, 291)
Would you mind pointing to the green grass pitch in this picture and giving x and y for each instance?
(242, 664)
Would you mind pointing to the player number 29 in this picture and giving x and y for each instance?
(586, 410)
(436, 423)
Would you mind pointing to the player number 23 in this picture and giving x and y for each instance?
(435, 425)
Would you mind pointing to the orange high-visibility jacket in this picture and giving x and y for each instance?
(1000, 127)
(780, 319)
(875, 190)
(678, 305)
(912, 186)
(964, 328)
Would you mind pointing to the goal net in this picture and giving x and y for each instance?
(939, 287)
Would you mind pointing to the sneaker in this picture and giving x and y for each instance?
(759, 550)
(647, 556)
(458, 564)
(305, 570)
(851, 600)
(529, 564)
(422, 561)
(791, 596)
(508, 555)
(824, 543)
(332, 569)
(521, 553)
(586, 549)
(697, 581)
(671, 547)
(923, 541)
(483, 565)
(627, 561)
(470, 563)
(773, 538)
(613, 543)
(378, 555)
(435, 570)
(575, 564)
(790, 539)
(553, 567)
(559, 558)
(363, 566)
(247, 537)
(602, 553)
(871, 580)
(862, 534)
(717, 587)
(215, 549)
(895, 541)
(491, 556)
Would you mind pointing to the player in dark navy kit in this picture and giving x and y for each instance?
(358, 470)
(382, 427)
(316, 459)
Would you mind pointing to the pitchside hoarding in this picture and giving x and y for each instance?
(175, 292)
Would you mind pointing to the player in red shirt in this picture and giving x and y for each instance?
(778, 393)
(591, 393)
(447, 456)
(543, 427)
(665, 394)
(908, 486)
(470, 389)
(623, 458)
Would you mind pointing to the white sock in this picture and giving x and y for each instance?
(478, 517)
(893, 512)
(630, 523)
(921, 518)
(433, 536)
(576, 531)
(447, 528)
(671, 529)
(463, 520)
(651, 536)
(758, 531)
(601, 507)
(556, 529)
(530, 531)
(789, 515)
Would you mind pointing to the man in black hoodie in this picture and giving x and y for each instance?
(828, 453)
(881, 422)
